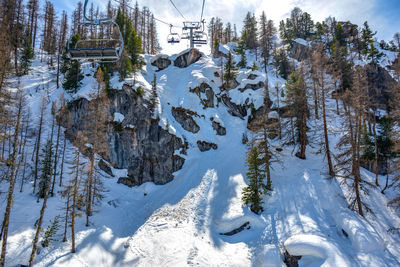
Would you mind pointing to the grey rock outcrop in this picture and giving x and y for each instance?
(220, 130)
(252, 76)
(146, 150)
(253, 86)
(380, 84)
(186, 59)
(161, 62)
(205, 146)
(208, 101)
(185, 118)
(300, 52)
(105, 168)
(233, 108)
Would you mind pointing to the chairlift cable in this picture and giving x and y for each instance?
(159, 20)
(202, 9)
(177, 10)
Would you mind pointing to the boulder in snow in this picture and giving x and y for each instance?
(161, 62)
(221, 130)
(185, 118)
(205, 146)
(187, 58)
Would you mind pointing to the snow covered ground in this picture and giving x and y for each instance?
(179, 224)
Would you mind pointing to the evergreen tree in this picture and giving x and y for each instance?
(296, 99)
(230, 72)
(243, 61)
(266, 37)
(252, 194)
(373, 53)
(46, 170)
(281, 63)
(50, 232)
(254, 67)
(249, 34)
(339, 35)
(366, 38)
(72, 70)
(26, 58)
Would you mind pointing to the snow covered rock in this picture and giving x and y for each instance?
(105, 168)
(253, 86)
(234, 109)
(300, 50)
(205, 146)
(161, 62)
(221, 51)
(185, 118)
(208, 101)
(220, 130)
(187, 58)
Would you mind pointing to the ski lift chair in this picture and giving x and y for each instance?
(104, 49)
(173, 37)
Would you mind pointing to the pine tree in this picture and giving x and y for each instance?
(267, 36)
(281, 62)
(50, 232)
(46, 170)
(26, 58)
(72, 70)
(252, 194)
(243, 61)
(296, 99)
(230, 72)
(249, 34)
(254, 67)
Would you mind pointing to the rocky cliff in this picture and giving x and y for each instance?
(136, 143)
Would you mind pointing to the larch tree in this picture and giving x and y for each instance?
(96, 135)
(320, 68)
(19, 105)
(348, 159)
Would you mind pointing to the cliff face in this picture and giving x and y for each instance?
(137, 143)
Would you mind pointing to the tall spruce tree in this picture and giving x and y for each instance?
(46, 170)
(252, 194)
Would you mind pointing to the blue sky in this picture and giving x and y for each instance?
(382, 15)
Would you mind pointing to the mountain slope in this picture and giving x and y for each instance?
(180, 223)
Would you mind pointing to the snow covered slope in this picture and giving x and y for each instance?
(180, 223)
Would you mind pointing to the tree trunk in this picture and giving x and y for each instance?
(55, 161)
(6, 219)
(62, 162)
(376, 167)
(66, 220)
(39, 228)
(327, 149)
(38, 148)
